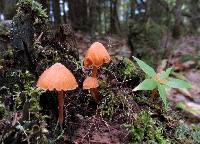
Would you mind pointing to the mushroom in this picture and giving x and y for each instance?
(57, 77)
(95, 57)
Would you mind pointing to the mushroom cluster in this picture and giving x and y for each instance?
(95, 57)
(59, 78)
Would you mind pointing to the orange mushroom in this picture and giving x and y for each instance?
(57, 77)
(95, 56)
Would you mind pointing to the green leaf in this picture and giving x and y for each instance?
(162, 93)
(165, 74)
(147, 84)
(145, 67)
(177, 83)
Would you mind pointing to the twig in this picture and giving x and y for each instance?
(39, 37)
(14, 120)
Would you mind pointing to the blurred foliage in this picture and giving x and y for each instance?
(146, 38)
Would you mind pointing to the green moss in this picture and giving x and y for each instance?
(188, 133)
(2, 111)
(36, 8)
(182, 132)
(116, 104)
(196, 134)
(145, 130)
(4, 30)
(128, 70)
(109, 105)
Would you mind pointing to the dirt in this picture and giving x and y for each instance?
(189, 70)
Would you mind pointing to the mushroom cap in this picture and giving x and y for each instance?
(90, 82)
(96, 55)
(57, 77)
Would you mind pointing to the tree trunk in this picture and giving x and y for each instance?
(177, 15)
(195, 12)
(78, 14)
(114, 20)
(56, 12)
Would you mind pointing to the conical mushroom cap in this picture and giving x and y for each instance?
(96, 55)
(90, 82)
(57, 77)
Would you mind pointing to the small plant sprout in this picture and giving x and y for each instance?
(160, 81)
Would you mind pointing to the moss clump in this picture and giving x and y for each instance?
(129, 68)
(188, 134)
(35, 7)
(127, 71)
(145, 130)
(4, 31)
(2, 111)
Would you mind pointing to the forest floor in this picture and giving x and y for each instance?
(185, 61)
(84, 122)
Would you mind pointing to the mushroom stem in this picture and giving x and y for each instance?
(95, 95)
(94, 71)
(94, 90)
(60, 105)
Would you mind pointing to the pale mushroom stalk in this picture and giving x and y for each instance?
(60, 106)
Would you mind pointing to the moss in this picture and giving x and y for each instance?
(182, 132)
(2, 111)
(4, 31)
(36, 8)
(127, 71)
(188, 133)
(109, 105)
(145, 130)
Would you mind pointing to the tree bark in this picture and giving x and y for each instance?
(78, 14)
(114, 20)
(177, 15)
(56, 12)
(195, 14)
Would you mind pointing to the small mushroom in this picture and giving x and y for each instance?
(57, 77)
(95, 57)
